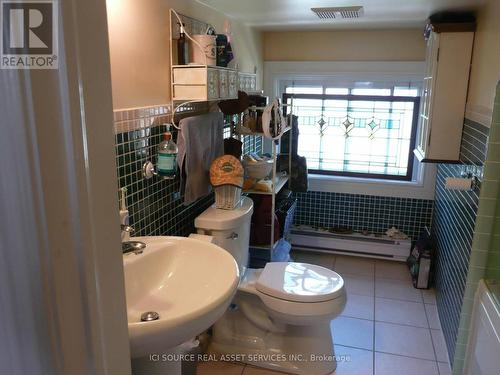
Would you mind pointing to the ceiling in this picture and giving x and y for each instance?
(297, 14)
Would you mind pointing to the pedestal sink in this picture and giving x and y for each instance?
(189, 283)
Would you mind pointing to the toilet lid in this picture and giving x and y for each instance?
(218, 219)
(300, 282)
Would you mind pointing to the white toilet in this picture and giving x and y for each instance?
(280, 316)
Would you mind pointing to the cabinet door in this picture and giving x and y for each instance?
(431, 73)
(253, 83)
(213, 83)
(241, 81)
(424, 131)
(424, 115)
(233, 84)
(223, 84)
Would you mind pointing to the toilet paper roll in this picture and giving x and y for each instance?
(454, 183)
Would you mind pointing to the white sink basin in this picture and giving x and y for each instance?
(188, 282)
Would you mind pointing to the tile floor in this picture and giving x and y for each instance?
(397, 327)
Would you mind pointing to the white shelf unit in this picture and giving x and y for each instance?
(203, 83)
(279, 180)
(247, 82)
(444, 95)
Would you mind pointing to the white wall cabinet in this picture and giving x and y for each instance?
(444, 96)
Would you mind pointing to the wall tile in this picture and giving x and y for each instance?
(453, 228)
(363, 212)
(154, 205)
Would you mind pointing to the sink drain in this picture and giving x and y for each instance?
(149, 316)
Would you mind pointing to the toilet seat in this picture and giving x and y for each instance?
(294, 308)
(299, 282)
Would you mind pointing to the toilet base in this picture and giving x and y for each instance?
(294, 365)
(294, 349)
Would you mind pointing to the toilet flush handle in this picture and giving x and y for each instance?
(232, 236)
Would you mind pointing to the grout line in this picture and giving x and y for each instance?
(401, 324)
(430, 333)
(374, 317)
(354, 347)
(407, 356)
(385, 321)
(404, 325)
(439, 371)
(402, 300)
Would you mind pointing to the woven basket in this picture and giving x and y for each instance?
(227, 196)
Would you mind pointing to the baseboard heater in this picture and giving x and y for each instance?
(357, 244)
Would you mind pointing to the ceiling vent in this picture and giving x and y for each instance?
(338, 12)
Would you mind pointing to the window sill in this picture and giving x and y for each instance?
(422, 188)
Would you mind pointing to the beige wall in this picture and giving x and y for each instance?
(485, 60)
(351, 45)
(139, 47)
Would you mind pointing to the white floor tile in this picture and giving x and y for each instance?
(403, 340)
(400, 312)
(358, 284)
(359, 306)
(354, 265)
(397, 289)
(320, 259)
(353, 332)
(429, 296)
(351, 361)
(251, 370)
(387, 364)
(439, 345)
(392, 270)
(444, 368)
(215, 368)
(433, 316)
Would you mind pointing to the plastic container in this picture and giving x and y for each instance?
(259, 169)
(227, 196)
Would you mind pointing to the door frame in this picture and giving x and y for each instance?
(62, 294)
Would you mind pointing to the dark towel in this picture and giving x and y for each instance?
(200, 141)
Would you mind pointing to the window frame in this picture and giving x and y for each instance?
(384, 98)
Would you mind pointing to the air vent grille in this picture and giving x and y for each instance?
(338, 12)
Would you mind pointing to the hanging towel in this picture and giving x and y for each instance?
(200, 142)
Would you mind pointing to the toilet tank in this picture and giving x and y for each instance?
(230, 229)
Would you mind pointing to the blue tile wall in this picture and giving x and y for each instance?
(155, 207)
(453, 228)
(363, 212)
(251, 144)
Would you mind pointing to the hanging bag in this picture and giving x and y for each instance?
(273, 121)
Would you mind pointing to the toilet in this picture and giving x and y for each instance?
(280, 316)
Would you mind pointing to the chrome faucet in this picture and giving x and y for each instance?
(127, 228)
(135, 247)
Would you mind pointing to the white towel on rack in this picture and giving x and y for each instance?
(200, 141)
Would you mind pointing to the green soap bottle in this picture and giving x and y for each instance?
(167, 157)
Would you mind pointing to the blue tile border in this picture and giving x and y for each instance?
(363, 212)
